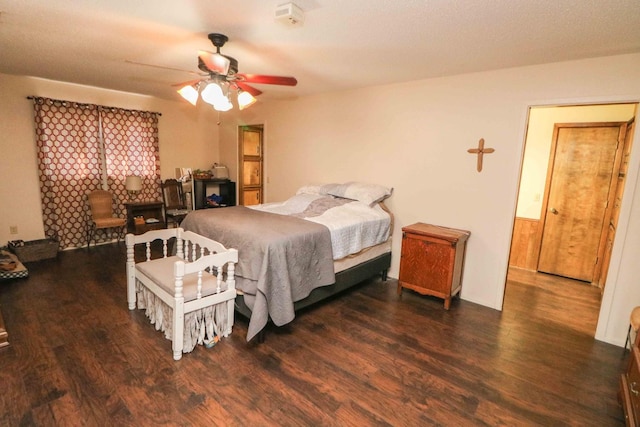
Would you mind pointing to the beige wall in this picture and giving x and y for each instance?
(538, 146)
(188, 138)
(414, 137)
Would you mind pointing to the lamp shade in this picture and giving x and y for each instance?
(223, 104)
(189, 93)
(245, 99)
(133, 183)
(216, 92)
(212, 93)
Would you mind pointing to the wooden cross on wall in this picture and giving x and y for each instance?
(480, 151)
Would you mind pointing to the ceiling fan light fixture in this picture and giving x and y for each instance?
(223, 104)
(212, 93)
(190, 93)
(222, 76)
(245, 99)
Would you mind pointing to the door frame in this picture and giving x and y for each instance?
(240, 149)
(606, 328)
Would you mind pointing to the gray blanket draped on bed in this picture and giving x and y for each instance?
(281, 259)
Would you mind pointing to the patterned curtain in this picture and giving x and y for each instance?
(131, 148)
(80, 148)
(68, 165)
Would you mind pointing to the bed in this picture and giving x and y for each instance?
(321, 241)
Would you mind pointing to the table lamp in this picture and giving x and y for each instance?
(133, 184)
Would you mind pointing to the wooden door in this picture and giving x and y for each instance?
(251, 165)
(578, 185)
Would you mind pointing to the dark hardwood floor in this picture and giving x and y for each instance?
(78, 356)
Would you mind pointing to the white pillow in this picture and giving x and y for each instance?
(365, 193)
(320, 189)
(309, 189)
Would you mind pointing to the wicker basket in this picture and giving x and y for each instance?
(202, 176)
(35, 250)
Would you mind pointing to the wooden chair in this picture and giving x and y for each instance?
(190, 296)
(175, 207)
(102, 215)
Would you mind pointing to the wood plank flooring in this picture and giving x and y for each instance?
(78, 356)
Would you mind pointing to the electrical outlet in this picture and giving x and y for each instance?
(13, 229)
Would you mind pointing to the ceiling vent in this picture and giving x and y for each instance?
(289, 13)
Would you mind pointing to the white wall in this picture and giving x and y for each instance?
(412, 136)
(415, 136)
(188, 138)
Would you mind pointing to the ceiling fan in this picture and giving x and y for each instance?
(223, 77)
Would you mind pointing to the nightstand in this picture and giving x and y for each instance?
(629, 395)
(149, 211)
(431, 260)
(4, 336)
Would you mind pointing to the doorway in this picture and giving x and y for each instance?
(549, 129)
(251, 162)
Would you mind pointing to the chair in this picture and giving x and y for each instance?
(175, 207)
(102, 215)
(189, 296)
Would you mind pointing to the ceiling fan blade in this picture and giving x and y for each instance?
(267, 80)
(215, 62)
(161, 67)
(187, 83)
(245, 87)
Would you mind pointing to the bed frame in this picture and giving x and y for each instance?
(344, 280)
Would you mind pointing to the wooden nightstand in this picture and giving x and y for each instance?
(629, 394)
(431, 260)
(4, 336)
(148, 211)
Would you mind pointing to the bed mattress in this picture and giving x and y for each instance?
(353, 225)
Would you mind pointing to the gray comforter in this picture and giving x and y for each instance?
(281, 259)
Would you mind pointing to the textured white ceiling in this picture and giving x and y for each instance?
(342, 44)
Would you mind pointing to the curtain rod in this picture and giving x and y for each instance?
(97, 105)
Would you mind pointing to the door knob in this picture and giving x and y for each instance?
(553, 211)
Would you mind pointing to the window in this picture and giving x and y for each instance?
(84, 147)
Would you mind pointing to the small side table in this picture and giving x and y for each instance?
(4, 336)
(431, 260)
(149, 211)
